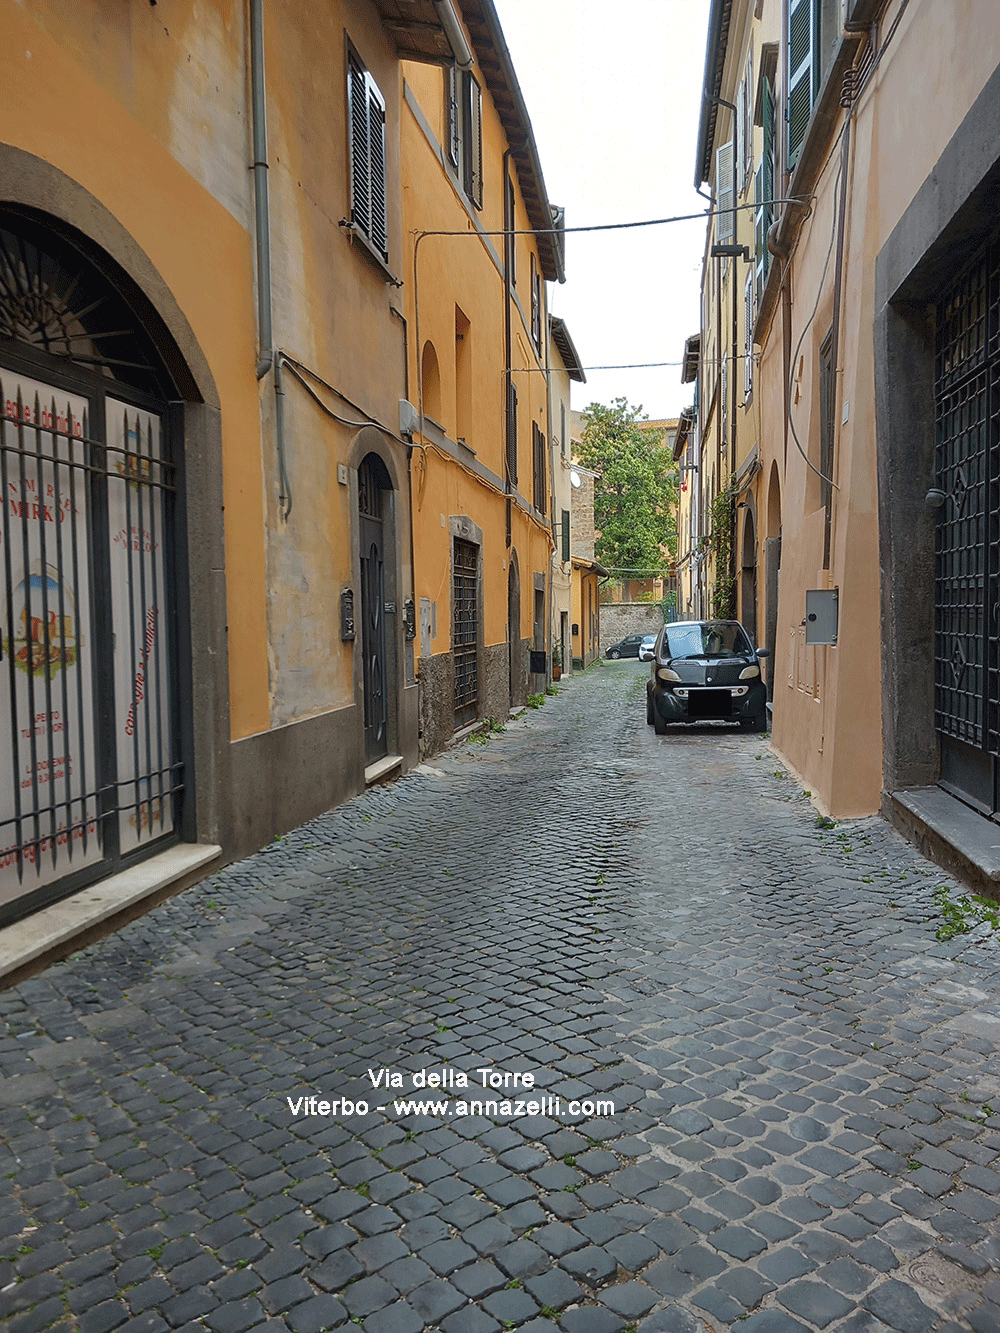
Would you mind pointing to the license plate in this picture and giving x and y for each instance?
(710, 703)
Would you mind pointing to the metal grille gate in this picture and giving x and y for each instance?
(465, 630)
(967, 572)
(87, 707)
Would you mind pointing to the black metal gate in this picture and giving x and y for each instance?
(465, 630)
(92, 778)
(967, 575)
(371, 512)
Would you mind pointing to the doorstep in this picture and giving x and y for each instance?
(950, 833)
(382, 769)
(46, 931)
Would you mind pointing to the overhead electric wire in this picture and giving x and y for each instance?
(606, 226)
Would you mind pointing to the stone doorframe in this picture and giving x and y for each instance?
(39, 190)
(952, 213)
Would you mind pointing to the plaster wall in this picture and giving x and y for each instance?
(138, 101)
(460, 475)
(827, 699)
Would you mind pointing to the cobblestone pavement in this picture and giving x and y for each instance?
(803, 1076)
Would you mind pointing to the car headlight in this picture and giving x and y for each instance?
(666, 673)
(750, 673)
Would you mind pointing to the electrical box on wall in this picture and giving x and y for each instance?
(822, 615)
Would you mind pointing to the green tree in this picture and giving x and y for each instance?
(635, 496)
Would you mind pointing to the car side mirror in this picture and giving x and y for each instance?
(763, 652)
(646, 655)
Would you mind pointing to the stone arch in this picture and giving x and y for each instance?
(167, 398)
(371, 455)
(38, 190)
(773, 503)
(748, 570)
(772, 573)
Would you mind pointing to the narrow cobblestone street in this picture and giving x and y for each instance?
(805, 1081)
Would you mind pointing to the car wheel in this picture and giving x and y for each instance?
(659, 724)
(650, 715)
(614, 654)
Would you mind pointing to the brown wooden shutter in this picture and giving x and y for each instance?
(472, 139)
(376, 155)
(512, 432)
(358, 145)
(451, 112)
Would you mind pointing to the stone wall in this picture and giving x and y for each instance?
(495, 681)
(437, 703)
(437, 694)
(581, 523)
(621, 618)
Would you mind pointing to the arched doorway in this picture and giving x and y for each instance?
(374, 515)
(514, 652)
(97, 769)
(772, 569)
(748, 575)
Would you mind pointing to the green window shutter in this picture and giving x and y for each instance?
(725, 193)
(565, 536)
(803, 50)
(759, 230)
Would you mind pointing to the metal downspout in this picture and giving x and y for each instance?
(262, 219)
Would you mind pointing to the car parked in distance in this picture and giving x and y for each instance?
(628, 647)
(647, 649)
(706, 670)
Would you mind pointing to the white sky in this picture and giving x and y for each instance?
(614, 95)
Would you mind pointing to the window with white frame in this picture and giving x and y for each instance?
(366, 145)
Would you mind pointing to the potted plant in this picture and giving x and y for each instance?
(557, 661)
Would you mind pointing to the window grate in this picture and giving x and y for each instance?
(967, 540)
(465, 629)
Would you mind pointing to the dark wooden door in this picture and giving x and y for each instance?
(370, 504)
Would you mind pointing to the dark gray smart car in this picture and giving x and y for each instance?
(706, 670)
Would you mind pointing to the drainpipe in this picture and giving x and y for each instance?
(449, 21)
(508, 253)
(261, 208)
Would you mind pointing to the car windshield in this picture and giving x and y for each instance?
(712, 638)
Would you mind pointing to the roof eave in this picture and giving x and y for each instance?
(488, 41)
(715, 60)
(567, 350)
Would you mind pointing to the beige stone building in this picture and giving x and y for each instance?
(866, 465)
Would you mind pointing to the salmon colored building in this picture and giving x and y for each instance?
(869, 350)
(481, 242)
